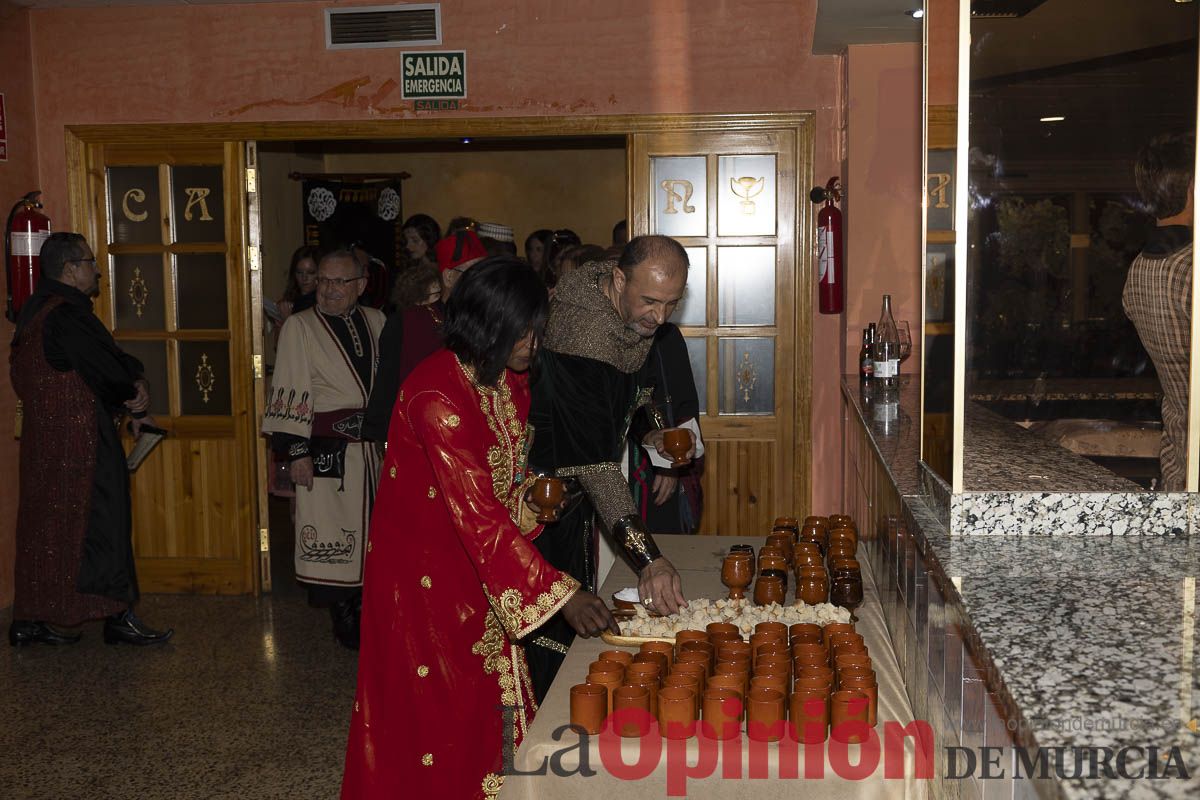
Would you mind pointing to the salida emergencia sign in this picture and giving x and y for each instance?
(434, 75)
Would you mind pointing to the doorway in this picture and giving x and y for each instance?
(749, 242)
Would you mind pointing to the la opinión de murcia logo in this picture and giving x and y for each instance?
(750, 754)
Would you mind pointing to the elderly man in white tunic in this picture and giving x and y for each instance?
(324, 368)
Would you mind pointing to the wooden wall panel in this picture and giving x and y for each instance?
(739, 488)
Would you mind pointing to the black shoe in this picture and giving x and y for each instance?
(345, 614)
(128, 629)
(23, 631)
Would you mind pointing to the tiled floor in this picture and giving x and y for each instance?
(251, 699)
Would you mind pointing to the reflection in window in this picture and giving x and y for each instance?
(691, 310)
(153, 356)
(746, 281)
(698, 356)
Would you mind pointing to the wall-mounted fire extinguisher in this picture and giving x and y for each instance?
(831, 274)
(26, 230)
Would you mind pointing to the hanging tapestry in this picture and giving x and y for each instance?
(365, 213)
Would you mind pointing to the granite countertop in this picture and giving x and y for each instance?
(895, 428)
(1092, 640)
(1001, 456)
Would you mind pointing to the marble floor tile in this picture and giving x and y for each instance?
(251, 699)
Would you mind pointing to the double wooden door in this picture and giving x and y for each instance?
(730, 199)
(168, 228)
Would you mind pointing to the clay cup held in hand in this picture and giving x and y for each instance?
(677, 442)
(547, 494)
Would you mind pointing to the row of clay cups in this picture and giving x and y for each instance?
(807, 715)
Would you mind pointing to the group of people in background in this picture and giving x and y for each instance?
(410, 412)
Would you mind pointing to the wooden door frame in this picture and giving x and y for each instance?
(81, 185)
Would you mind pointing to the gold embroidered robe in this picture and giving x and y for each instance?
(453, 583)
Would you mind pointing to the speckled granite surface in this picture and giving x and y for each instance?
(1080, 643)
(1004, 457)
(895, 426)
(1017, 483)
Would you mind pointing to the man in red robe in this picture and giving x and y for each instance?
(74, 553)
(453, 582)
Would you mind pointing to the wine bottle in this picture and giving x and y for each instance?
(886, 352)
(866, 366)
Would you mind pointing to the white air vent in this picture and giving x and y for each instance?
(405, 25)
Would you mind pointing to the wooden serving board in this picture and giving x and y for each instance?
(633, 641)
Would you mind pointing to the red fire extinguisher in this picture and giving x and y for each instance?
(830, 265)
(25, 232)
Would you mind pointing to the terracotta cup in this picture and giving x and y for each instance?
(804, 632)
(808, 557)
(824, 673)
(622, 657)
(697, 646)
(784, 541)
(651, 688)
(740, 670)
(844, 534)
(850, 659)
(850, 649)
(867, 686)
(677, 442)
(610, 682)
(746, 549)
(632, 699)
(779, 663)
(589, 707)
(547, 494)
(737, 572)
(721, 711)
(786, 522)
(838, 637)
(820, 682)
(768, 590)
(766, 562)
(665, 648)
(848, 706)
(657, 659)
(690, 636)
(765, 712)
(607, 666)
(809, 712)
(698, 657)
(813, 520)
(841, 521)
(778, 629)
(835, 627)
(644, 672)
(733, 649)
(812, 586)
(734, 683)
(722, 629)
(677, 712)
(773, 680)
(839, 551)
(770, 551)
(697, 668)
(810, 649)
(719, 639)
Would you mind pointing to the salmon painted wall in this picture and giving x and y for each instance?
(883, 191)
(18, 175)
(266, 62)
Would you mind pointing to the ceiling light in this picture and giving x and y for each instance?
(466, 141)
(1051, 119)
(915, 13)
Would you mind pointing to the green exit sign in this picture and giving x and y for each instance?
(425, 76)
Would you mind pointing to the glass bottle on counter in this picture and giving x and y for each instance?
(885, 354)
(866, 364)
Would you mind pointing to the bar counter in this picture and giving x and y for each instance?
(1025, 641)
